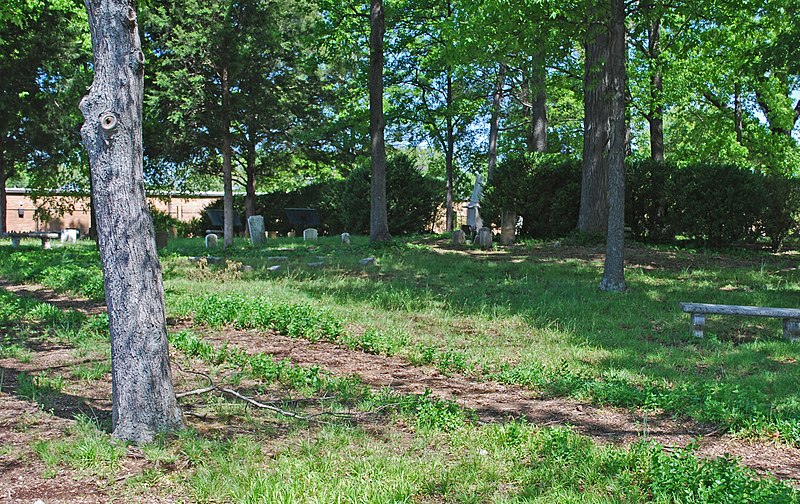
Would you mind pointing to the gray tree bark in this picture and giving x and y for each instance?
(593, 216)
(494, 124)
(379, 219)
(538, 94)
(144, 401)
(227, 164)
(614, 271)
(449, 154)
(3, 199)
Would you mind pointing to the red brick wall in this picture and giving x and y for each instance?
(182, 208)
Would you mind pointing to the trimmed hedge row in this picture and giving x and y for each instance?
(712, 204)
(344, 205)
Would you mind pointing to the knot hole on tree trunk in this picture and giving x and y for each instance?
(130, 16)
(108, 121)
(137, 61)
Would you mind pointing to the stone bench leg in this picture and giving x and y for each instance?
(698, 323)
(15, 241)
(791, 329)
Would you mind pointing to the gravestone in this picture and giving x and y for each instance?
(459, 237)
(211, 240)
(368, 261)
(346, 238)
(508, 228)
(256, 225)
(484, 238)
(474, 220)
(310, 234)
(69, 236)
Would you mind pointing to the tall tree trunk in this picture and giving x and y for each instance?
(92, 210)
(250, 189)
(227, 164)
(538, 93)
(144, 401)
(378, 219)
(494, 124)
(593, 216)
(449, 152)
(3, 199)
(614, 271)
(655, 116)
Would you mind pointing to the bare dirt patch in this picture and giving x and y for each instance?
(493, 402)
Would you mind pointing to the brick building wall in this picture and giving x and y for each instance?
(21, 210)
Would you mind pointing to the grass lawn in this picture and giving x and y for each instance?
(529, 315)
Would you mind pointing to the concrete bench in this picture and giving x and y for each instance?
(45, 236)
(698, 311)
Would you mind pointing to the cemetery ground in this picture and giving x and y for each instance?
(435, 374)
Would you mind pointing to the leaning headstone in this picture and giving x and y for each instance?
(484, 238)
(211, 240)
(274, 268)
(245, 268)
(346, 238)
(257, 233)
(290, 234)
(310, 234)
(277, 258)
(369, 261)
(459, 237)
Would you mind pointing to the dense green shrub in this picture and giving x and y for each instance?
(716, 204)
(544, 189)
(411, 198)
(344, 205)
(780, 212)
(648, 200)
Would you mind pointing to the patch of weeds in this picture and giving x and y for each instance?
(89, 373)
(39, 386)
(683, 477)
(85, 448)
(16, 351)
(451, 361)
(423, 355)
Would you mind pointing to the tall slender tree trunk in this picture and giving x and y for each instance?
(538, 93)
(144, 401)
(227, 164)
(250, 185)
(593, 216)
(449, 152)
(614, 271)
(494, 123)
(655, 113)
(378, 220)
(3, 198)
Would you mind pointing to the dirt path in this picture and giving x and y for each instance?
(493, 401)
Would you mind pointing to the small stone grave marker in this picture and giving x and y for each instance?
(256, 225)
(211, 240)
(310, 234)
(346, 238)
(459, 237)
(368, 261)
(484, 238)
